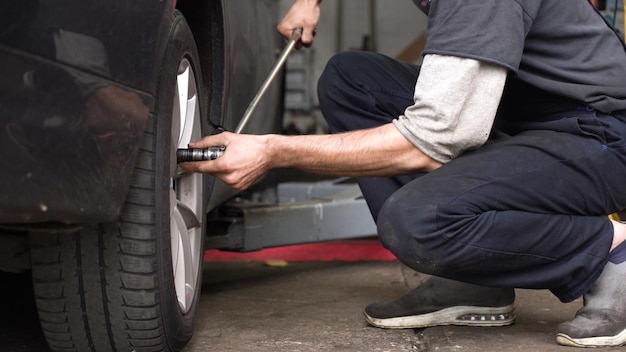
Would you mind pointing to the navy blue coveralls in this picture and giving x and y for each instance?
(526, 210)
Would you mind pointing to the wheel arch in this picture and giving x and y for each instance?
(206, 21)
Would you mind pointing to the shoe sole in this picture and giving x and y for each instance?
(599, 341)
(460, 315)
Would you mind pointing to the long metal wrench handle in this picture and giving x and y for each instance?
(212, 153)
(295, 36)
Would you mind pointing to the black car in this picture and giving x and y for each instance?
(95, 98)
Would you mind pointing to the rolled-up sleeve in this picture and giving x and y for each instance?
(456, 100)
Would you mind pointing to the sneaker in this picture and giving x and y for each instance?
(602, 319)
(441, 301)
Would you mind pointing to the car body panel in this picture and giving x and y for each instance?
(73, 105)
(71, 163)
(247, 63)
(116, 39)
(77, 89)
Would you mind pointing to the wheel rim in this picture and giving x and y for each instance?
(185, 191)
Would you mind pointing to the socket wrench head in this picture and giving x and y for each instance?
(187, 155)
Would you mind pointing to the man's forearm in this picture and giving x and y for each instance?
(381, 151)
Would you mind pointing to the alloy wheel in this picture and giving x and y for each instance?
(185, 190)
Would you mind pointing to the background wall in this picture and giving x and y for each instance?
(390, 27)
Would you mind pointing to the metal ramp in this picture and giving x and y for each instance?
(302, 213)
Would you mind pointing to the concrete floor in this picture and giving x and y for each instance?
(313, 307)
(318, 307)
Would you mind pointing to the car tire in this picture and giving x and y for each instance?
(134, 285)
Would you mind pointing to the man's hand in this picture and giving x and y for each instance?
(380, 151)
(244, 161)
(303, 14)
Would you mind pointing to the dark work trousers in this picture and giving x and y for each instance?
(526, 210)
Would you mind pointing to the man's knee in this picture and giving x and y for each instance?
(338, 74)
(407, 230)
(412, 228)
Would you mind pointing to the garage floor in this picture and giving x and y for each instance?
(318, 307)
(313, 306)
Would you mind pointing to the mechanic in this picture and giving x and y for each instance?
(491, 167)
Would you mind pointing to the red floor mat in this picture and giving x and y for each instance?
(346, 251)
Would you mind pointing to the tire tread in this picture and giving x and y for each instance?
(105, 278)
